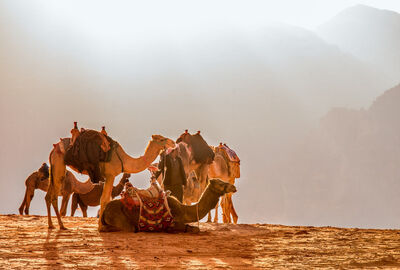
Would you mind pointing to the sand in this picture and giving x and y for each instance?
(26, 243)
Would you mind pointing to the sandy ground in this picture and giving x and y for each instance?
(25, 243)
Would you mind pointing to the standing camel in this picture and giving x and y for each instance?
(228, 170)
(92, 198)
(196, 156)
(37, 181)
(119, 162)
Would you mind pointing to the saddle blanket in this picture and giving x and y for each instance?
(154, 212)
(230, 153)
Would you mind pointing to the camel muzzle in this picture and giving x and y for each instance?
(230, 189)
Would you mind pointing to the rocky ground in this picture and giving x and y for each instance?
(25, 243)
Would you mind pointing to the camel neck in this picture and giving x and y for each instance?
(135, 165)
(208, 201)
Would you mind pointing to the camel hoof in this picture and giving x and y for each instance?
(63, 228)
(51, 227)
(192, 229)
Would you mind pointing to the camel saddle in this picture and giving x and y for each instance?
(228, 153)
(155, 215)
(89, 149)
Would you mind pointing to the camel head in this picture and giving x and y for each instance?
(221, 187)
(162, 141)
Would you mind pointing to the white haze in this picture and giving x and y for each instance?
(161, 67)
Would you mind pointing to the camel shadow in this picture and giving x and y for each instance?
(50, 250)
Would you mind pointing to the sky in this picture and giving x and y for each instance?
(160, 67)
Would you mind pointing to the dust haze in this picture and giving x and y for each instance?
(308, 114)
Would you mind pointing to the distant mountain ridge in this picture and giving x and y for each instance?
(370, 34)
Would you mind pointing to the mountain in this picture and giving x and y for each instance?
(350, 165)
(370, 34)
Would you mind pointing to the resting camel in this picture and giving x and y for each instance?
(120, 162)
(228, 171)
(117, 217)
(70, 185)
(196, 156)
(92, 198)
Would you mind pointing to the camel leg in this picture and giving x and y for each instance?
(225, 211)
(54, 202)
(48, 206)
(232, 210)
(64, 205)
(209, 216)
(28, 202)
(105, 197)
(84, 209)
(22, 207)
(216, 213)
(74, 204)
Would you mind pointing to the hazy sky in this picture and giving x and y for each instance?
(105, 19)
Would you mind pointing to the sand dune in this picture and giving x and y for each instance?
(25, 242)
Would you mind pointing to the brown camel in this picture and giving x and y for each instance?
(70, 185)
(117, 217)
(92, 198)
(196, 156)
(120, 162)
(228, 171)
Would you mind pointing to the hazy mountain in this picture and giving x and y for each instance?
(350, 165)
(371, 34)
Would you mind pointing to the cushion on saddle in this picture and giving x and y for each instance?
(87, 152)
(154, 215)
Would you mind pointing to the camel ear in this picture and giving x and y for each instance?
(54, 145)
(153, 137)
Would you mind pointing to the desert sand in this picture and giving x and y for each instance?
(25, 243)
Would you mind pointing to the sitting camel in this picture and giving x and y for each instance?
(40, 180)
(92, 198)
(119, 162)
(116, 217)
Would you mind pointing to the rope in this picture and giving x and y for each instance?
(198, 221)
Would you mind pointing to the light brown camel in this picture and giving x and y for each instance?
(228, 171)
(120, 162)
(92, 198)
(196, 157)
(117, 217)
(70, 185)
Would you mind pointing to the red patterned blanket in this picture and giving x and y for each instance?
(155, 215)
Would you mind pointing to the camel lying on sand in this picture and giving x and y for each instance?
(116, 217)
(119, 162)
(70, 185)
(92, 198)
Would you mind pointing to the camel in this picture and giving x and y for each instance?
(70, 185)
(228, 171)
(196, 156)
(120, 162)
(117, 217)
(92, 198)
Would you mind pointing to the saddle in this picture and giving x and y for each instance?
(155, 215)
(231, 158)
(88, 150)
